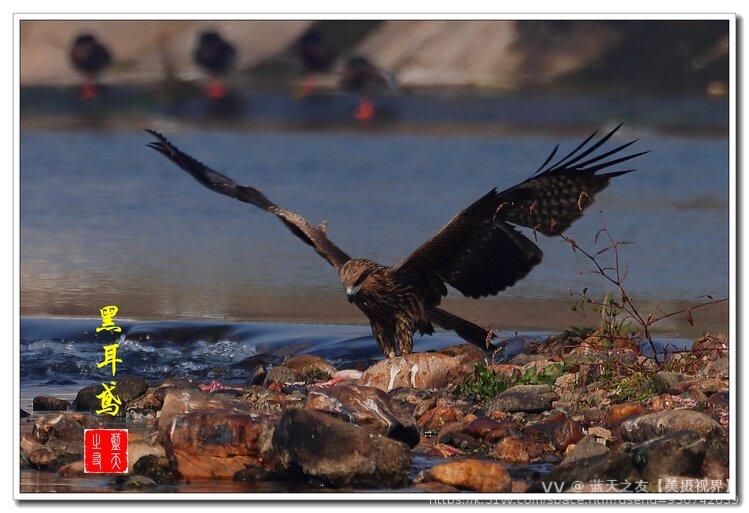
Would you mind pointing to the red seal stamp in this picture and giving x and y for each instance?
(105, 451)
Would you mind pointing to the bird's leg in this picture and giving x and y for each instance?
(384, 340)
(365, 110)
(89, 89)
(404, 332)
(308, 85)
(215, 89)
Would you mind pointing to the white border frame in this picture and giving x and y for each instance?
(462, 498)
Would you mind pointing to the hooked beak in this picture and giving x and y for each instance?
(351, 292)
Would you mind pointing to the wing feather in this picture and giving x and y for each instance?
(480, 252)
(310, 234)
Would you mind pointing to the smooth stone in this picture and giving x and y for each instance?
(522, 398)
(319, 446)
(588, 447)
(417, 370)
(179, 401)
(368, 407)
(476, 475)
(310, 368)
(48, 403)
(667, 421)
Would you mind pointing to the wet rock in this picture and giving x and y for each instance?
(717, 455)
(59, 427)
(321, 447)
(565, 382)
(368, 407)
(475, 475)
(416, 370)
(158, 468)
(444, 411)
(588, 447)
(492, 430)
(218, 444)
(74, 469)
(718, 403)
(51, 455)
(665, 381)
(134, 482)
(569, 432)
(511, 450)
(443, 451)
(465, 353)
(620, 412)
(526, 398)
(601, 432)
(435, 487)
(62, 426)
(656, 424)
(704, 385)
(251, 474)
(716, 369)
(310, 368)
(179, 401)
(47, 403)
(680, 453)
(344, 375)
(140, 449)
(281, 374)
(613, 465)
(127, 389)
(417, 401)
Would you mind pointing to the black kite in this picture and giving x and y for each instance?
(479, 252)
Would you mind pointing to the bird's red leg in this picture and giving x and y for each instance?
(215, 89)
(366, 109)
(308, 85)
(89, 89)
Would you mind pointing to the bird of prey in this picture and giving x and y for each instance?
(480, 252)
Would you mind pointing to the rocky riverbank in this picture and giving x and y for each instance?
(594, 414)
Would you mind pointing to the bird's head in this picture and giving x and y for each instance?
(354, 274)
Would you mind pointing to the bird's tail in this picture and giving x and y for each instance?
(466, 330)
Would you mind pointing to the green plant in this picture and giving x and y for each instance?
(484, 383)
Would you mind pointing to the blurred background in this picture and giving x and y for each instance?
(385, 129)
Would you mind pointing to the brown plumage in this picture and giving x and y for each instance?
(479, 252)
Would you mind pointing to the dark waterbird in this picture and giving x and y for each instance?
(480, 252)
(215, 56)
(316, 56)
(90, 58)
(363, 78)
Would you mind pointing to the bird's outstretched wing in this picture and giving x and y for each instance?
(315, 236)
(479, 252)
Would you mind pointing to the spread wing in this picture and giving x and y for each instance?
(315, 236)
(479, 252)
